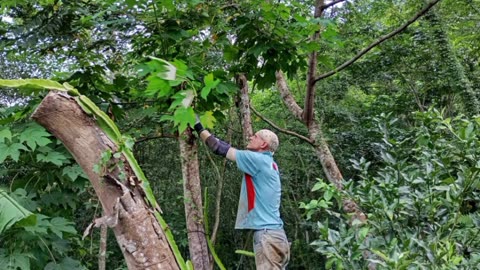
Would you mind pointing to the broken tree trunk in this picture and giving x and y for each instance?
(192, 190)
(138, 233)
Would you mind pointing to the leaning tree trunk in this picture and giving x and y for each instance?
(138, 233)
(197, 241)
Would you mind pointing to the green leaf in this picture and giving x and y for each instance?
(5, 134)
(11, 213)
(210, 83)
(328, 195)
(35, 135)
(41, 83)
(129, 142)
(183, 117)
(363, 233)
(167, 117)
(65, 263)
(181, 67)
(158, 86)
(73, 172)
(61, 225)
(168, 71)
(318, 185)
(56, 158)
(12, 150)
(14, 261)
(205, 91)
(230, 53)
(207, 119)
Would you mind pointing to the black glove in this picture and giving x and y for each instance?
(198, 125)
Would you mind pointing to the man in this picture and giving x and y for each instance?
(259, 203)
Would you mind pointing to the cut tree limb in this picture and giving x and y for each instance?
(138, 233)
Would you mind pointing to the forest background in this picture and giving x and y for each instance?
(375, 104)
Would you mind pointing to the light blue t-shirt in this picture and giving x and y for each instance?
(259, 203)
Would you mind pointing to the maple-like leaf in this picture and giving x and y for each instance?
(35, 135)
(5, 134)
(56, 158)
(182, 117)
(207, 119)
(12, 150)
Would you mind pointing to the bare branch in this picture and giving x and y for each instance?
(281, 129)
(287, 96)
(308, 112)
(378, 41)
(162, 136)
(333, 3)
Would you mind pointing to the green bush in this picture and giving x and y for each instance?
(421, 200)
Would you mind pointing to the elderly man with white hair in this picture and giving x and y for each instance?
(259, 203)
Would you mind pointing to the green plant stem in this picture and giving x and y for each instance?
(49, 251)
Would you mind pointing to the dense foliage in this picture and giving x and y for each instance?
(421, 198)
(400, 122)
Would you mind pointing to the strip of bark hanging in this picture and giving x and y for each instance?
(137, 231)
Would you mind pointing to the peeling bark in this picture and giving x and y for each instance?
(197, 240)
(137, 231)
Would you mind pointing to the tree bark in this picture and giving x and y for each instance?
(197, 240)
(317, 139)
(308, 115)
(244, 106)
(137, 231)
(102, 253)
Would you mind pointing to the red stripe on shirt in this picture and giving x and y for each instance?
(274, 165)
(250, 192)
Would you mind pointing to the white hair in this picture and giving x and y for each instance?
(270, 137)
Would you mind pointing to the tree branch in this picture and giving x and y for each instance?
(281, 129)
(287, 96)
(308, 112)
(333, 3)
(163, 136)
(378, 41)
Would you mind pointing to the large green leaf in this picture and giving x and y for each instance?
(12, 150)
(35, 135)
(42, 83)
(5, 134)
(15, 260)
(11, 212)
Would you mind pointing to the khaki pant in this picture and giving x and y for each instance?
(272, 250)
